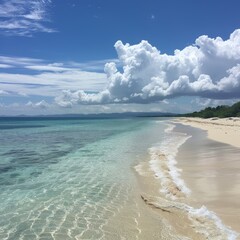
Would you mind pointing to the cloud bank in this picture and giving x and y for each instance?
(39, 77)
(210, 68)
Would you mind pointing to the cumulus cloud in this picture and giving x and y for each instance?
(69, 98)
(42, 104)
(23, 18)
(210, 68)
(201, 103)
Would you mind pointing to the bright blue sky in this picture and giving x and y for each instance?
(41, 41)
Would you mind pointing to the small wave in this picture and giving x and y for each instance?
(205, 222)
(169, 128)
(210, 225)
(163, 163)
(139, 169)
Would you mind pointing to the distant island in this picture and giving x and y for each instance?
(90, 116)
(222, 111)
(219, 111)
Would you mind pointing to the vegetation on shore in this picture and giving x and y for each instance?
(219, 111)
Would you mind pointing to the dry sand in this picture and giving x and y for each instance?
(226, 130)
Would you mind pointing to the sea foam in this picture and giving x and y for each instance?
(204, 221)
(163, 163)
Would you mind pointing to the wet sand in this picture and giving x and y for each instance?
(172, 222)
(211, 170)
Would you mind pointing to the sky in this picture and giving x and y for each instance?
(92, 56)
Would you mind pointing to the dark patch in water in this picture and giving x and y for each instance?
(6, 168)
(19, 159)
(14, 152)
(14, 175)
(35, 174)
(9, 127)
(24, 157)
(86, 150)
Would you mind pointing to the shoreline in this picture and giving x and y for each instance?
(181, 210)
(225, 130)
(210, 169)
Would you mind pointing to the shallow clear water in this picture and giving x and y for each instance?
(64, 179)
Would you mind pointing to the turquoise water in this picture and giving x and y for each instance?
(64, 179)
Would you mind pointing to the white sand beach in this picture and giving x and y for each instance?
(226, 130)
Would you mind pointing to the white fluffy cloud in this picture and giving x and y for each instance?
(200, 103)
(42, 104)
(210, 68)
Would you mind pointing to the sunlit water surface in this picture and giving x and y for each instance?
(64, 179)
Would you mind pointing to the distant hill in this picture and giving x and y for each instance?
(90, 116)
(220, 111)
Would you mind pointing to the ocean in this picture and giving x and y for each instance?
(78, 179)
(62, 179)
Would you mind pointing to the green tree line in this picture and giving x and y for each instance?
(219, 111)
